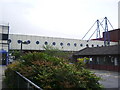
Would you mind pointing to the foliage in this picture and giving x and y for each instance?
(81, 62)
(16, 54)
(49, 71)
(50, 50)
(84, 60)
(9, 79)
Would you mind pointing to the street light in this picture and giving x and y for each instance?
(24, 42)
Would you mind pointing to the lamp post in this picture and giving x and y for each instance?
(24, 42)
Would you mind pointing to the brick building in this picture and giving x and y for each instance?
(104, 58)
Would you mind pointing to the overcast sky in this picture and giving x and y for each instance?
(57, 18)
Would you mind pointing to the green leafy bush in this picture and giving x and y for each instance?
(16, 54)
(50, 50)
(49, 71)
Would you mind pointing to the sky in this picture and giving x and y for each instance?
(57, 18)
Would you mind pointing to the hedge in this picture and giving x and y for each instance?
(52, 72)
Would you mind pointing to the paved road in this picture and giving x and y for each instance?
(109, 79)
(2, 75)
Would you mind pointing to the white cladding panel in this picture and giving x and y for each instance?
(75, 44)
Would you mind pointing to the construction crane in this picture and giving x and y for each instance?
(105, 28)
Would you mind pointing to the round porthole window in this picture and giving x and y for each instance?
(19, 41)
(81, 45)
(46, 43)
(92, 45)
(37, 42)
(87, 45)
(9, 41)
(61, 44)
(75, 44)
(28, 41)
(68, 44)
(54, 43)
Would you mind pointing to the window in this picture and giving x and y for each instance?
(37, 42)
(81, 45)
(75, 44)
(19, 41)
(4, 36)
(9, 41)
(61, 44)
(28, 41)
(92, 45)
(46, 43)
(68, 44)
(87, 45)
(54, 43)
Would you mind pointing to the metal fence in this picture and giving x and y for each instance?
(23, 82)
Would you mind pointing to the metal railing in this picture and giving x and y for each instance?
(23, 82)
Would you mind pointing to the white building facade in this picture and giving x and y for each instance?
(37, 42)
(64, 44)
